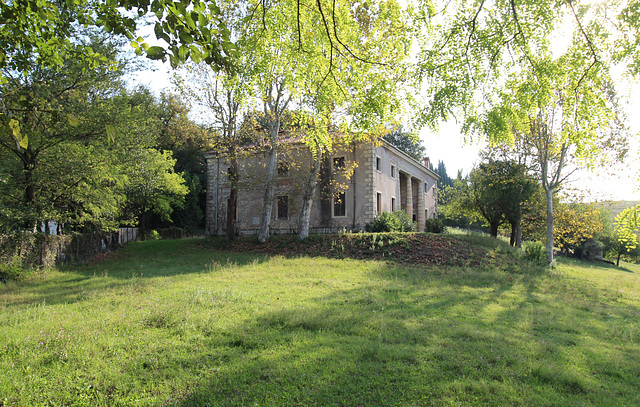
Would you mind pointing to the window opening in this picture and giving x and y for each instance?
(283, 207)
(339, 204)
(283, 169)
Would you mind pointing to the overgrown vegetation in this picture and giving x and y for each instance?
(179, 323)
(397, 221)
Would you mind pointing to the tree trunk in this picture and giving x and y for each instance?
(518, 227)
(549, 196)
(269, 194)
(233, 199)
(512, 237)
(494, 229)
(310, 186)
(143, 226)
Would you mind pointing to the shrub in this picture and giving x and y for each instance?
(535, 252)
(391, 222)
(591, 249)
(154, 235)
(11, 269)
(435, 226)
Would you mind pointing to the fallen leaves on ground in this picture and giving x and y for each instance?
(410, 248)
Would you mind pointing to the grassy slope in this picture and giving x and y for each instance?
(176, 323)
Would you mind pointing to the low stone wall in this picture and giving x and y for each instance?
(34, 250)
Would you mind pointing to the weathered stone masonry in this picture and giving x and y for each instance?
(384, 179)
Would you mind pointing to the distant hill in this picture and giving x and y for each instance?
(615, 207)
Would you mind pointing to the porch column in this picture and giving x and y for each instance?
(421, 208)
(409, 208)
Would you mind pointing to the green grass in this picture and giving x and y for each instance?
(174, 323)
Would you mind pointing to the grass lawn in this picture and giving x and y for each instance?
(180, 323)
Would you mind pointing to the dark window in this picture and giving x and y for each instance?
(393, 171)
(339, 205)
(378, 163)
(379, 203)
(283, 207)
(339, 164)
(283, 169)
(393, 204)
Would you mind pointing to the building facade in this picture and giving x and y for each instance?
(356, 183)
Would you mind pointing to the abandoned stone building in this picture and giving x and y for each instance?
(356, 183)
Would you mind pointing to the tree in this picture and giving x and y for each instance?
(562, 122)
(221, 98)
(444, 179)
(187, 142)
(627, 227)
(575, 225)
(59, 112)
(518, 189)
(496, 191)
(81, 126)
(338, 61)
(152, 186)
(407, 142)
(494, 66)
(44, 32)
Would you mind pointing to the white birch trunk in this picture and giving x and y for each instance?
(307, 200)
(549, 195)
(269, 195)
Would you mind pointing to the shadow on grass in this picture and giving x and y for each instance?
(404, 336)
(398, 344)
(136, 262)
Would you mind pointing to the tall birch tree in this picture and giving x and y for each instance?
(339, 61)
(495, 66)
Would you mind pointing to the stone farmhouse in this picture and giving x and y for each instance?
(356, 183)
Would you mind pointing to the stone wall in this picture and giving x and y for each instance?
(31, 250)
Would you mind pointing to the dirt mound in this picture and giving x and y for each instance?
(411, 248)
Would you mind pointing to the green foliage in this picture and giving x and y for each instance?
(627, 227)
(495, 65)
(153, 185)
(407, 142)
(434, 225)
(443, 182)
(495, 191)
(44, 33)
(534, 252)
(11, 269)
(397, 221)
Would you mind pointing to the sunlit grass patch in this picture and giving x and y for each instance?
(176, 323)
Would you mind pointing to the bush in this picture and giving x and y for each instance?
(154, 235)
(592, 249)
(391, 222)
(435, 226)
(12, 269)
(535, 252)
